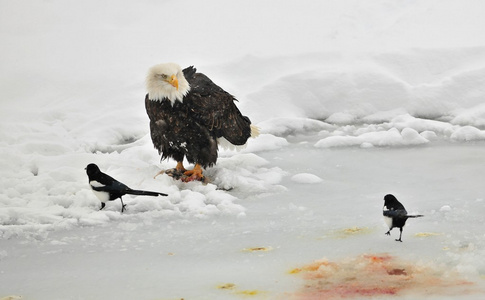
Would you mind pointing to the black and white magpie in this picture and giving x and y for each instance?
(395, 215)
(106, 188)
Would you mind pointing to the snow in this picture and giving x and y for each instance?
(354, 100)
(391, 137)
(306, 178)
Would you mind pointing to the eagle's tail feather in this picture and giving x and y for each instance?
(254, 131)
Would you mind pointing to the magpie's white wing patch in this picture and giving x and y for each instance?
(95, 183)
(102, 196)
(388, 221)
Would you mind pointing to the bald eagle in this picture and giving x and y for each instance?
(190, 116)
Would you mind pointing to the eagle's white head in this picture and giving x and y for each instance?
(166, 81)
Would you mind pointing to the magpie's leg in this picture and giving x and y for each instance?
(400, 235)
(389, 232)
(122, 205)
(102, 205)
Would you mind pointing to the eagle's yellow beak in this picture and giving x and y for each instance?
(174, 81)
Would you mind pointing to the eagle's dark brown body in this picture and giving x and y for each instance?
(191, 128)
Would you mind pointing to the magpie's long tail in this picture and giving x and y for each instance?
(415, 216)
(145, 193)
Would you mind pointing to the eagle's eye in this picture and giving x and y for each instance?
(163, 76)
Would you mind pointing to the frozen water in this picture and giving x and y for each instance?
(189, 253)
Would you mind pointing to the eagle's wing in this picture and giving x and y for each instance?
(157, 125)
(215, 108)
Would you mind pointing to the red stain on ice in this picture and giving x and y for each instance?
(373, 276)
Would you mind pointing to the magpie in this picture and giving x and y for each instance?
(395, 215)
(106, 188)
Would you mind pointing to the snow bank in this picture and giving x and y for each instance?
(392, 137)
(265, 142)
(247, 173)
(398, 130)
(49, 191)
(306, 178)
(362, 98)
(468, 133)
(403, 130)
(293, 126)
(425, 83)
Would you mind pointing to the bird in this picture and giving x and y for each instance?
(190, 116)
(395, 215)
(106, 188)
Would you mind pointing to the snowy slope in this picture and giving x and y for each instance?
(354, 100)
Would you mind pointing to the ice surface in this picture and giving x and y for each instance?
(353, 99)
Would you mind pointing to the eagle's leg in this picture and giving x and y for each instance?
(180, 167)
(195, 174)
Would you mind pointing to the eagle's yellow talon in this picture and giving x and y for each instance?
(195, 174)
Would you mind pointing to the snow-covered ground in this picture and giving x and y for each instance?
(354, 99)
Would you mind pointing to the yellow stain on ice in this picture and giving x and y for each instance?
(311, 267)
(249, 292)
(235, 290)
(355, 230)
(427, 234)
(226, 286)
(349, 232)
(12, 297)
(258, 249)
